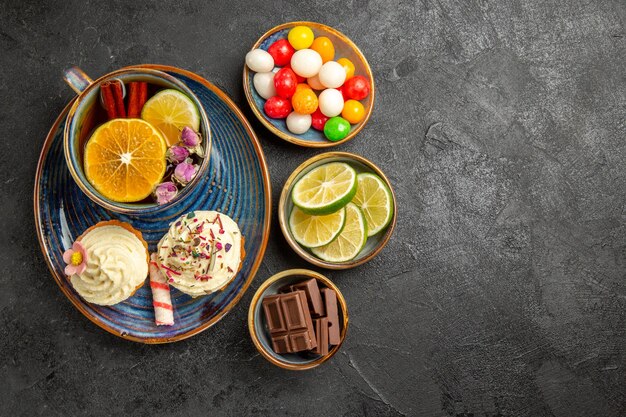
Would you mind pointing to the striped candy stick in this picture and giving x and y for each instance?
(161, 299)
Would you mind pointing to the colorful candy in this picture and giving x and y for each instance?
(353, 111)
(348, 66)
(281, 51)
(318, 120)
(323, 46)
(300, 37)
(332, 75)
(304, 101)
(306, 63)
(336, 128)
(277, 107)
(357, 87)
(259, 60)
(298, 123)
(315, 82)
(331, 102)
(302, 83)
(285, 83)
(264, 84)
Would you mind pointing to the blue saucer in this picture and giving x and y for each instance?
(236, 183)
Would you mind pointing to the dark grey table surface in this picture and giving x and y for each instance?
(502, 292)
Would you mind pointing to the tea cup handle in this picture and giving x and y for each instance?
(77, 79)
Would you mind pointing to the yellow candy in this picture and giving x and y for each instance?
(353, 111)
(324, 47)
(304, 101)
(348, 66)
(300, 37)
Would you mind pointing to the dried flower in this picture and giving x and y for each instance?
(76, 259)
(192, 141)
(185, 171)
(177, 154)
(189, 137)
(165, 192)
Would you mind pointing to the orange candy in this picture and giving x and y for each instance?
(324, 47)
(348, 66)
(302, 86)
(304, 101)
(353, 111)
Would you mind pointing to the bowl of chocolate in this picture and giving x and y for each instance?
(298, 319)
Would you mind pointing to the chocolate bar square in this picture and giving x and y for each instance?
(289, 322)
(332, 313)
(321, 334)
(313, 295)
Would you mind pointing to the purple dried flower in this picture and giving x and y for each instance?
(227, 247)
(185, 171)
(177, 154)
(189, 137)
(165, 192)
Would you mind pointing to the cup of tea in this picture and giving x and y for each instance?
(136, 141)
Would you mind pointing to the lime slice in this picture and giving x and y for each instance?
(313, 231)
(325, 189)
(374, 198)
(349, 242)
(170, 111)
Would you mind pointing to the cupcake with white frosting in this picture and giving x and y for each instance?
(107, 263)
(201, 253)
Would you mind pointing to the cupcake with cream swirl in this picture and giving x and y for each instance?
(201, 253)
(107, 263)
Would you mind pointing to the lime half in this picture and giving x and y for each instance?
(325, 189)
(349, 242)
(375, 200)
(170, 111)
(313, 231)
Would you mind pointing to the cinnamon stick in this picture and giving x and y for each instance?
(119, 99)
(108, 101)
(137, 96)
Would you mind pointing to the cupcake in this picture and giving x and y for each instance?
(201, 253)
(107, 263)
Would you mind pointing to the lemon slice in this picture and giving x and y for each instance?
(325, 189)
(349, 242)
(170, 111)
(375, 200)
(313, 231)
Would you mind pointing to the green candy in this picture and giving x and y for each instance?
(336, 128)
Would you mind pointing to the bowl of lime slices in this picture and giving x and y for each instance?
(337, 210)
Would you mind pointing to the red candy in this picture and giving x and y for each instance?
(285, 82)
(299, 78)
(277, 107)
(281, 51)
(318, 120)
(356, 88)
(343, 93)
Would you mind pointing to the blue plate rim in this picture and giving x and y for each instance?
(266, 223)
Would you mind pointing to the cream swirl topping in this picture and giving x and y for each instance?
(116, 265)
(201, 252)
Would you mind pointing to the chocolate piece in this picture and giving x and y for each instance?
(313, 295)
(321, 334)
(289, 322)
(330, 302)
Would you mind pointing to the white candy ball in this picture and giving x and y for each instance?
(314, 82)
(331, 102)
(306, 63)
(298, 123)
(264, 84)
(332, 75)
(259, 60)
